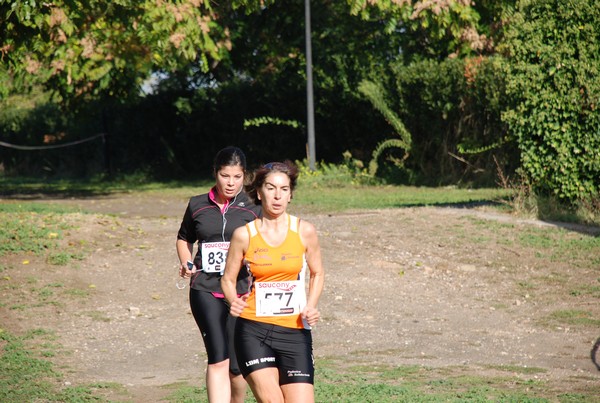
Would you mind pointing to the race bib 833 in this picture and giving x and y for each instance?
(214, 255)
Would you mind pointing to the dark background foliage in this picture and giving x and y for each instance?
(483, 88)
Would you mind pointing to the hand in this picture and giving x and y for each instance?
(185, 272)
(238, 305)
(311, 315)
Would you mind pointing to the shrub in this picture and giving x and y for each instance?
(552, 72)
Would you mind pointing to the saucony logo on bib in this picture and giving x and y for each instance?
(278, 285)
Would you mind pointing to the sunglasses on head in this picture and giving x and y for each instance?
(280, 166)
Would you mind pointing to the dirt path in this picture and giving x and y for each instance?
(405, 286)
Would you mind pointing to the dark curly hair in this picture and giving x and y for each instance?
(260, 174)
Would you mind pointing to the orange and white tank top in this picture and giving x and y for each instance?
(278, 291)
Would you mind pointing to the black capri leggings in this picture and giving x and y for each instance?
(216, 326)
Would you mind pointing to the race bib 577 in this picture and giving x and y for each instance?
(278, 298)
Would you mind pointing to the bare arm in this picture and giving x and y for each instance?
(235, 258)
(184, 253)
(308, 234)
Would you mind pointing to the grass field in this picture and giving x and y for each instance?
(27, 372)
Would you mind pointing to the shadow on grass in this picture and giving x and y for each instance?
(582, 228)
(35, 189)
(28, 189)
(459, 205)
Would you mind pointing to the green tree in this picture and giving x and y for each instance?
(268, 61)
(552, 51)
(432, 28)
(105, 48)
(435, 85)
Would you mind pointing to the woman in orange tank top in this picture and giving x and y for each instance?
(273, 338)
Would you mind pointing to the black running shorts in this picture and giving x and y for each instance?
(260, 345)
(216, 326)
